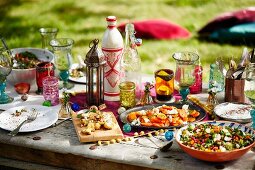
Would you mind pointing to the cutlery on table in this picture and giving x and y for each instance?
(56, 124)
(232, 68)
(166, 147)
(252, 56)
(30, 118)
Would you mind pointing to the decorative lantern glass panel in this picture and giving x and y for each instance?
(94, 75)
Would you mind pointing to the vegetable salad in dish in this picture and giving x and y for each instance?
(163, 116)
(26, 60)
(213, 138)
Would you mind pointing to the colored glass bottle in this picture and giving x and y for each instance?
(217, 79)
(131, 61)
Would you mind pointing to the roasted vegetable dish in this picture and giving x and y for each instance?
(163, 116)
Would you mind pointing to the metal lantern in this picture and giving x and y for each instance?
(94, 75)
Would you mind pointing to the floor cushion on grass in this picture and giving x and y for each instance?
(157, 29)
(239, 34)
(229, 19)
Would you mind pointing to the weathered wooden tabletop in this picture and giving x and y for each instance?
(59, 147)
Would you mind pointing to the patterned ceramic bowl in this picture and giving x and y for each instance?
(217, 156)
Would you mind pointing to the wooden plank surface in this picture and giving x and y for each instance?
(61, 160)
(102, 134)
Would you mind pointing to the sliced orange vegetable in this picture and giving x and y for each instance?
(131, 116)
(169, 107)
(149, 113)
(146, 124)
(182, 113)
(161, 116)
(180, 121)
(144, 119)
(191, 119)
(167, 123)
(158, 124)
(194, 113)
(155, 119)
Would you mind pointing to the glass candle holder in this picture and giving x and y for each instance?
(164, 85)
(50, 90)
(43, 70)
(127, 94)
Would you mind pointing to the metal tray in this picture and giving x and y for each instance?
(123, 116)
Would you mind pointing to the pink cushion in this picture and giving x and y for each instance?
(229, 19)
(157, 29)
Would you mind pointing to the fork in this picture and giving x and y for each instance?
(30, 118)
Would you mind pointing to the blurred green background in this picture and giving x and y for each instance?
(85, 20)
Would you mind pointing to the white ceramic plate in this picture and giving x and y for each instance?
(77, 79)
(45, 118)
(236, 112)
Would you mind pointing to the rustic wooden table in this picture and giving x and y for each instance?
(58, 147)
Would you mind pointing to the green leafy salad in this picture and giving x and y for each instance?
(26, 60)
(213, 138)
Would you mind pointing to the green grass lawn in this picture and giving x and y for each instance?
(85, 20)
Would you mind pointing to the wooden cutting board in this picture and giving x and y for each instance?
(102, 134)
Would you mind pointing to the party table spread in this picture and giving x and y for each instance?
(59, 147)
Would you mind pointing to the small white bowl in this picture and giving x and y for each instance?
(28, 75)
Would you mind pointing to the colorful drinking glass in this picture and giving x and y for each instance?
(43, 70)
(62, 50)
(164, 85)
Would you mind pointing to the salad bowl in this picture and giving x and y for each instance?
(25, 74)
(229, 142)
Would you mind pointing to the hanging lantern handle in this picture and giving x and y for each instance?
(95, 42)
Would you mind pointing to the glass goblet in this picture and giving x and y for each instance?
(5, 69)
(47, 35)
(249, 88)
(185, 72)
(62, 57)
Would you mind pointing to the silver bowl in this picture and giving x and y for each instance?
(28, 75)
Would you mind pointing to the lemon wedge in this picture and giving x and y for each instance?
(162, 73)
(163, 89)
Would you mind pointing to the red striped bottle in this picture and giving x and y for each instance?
(112, 48)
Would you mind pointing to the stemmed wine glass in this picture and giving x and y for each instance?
(249, 88)
(6, 64)
(63, 57)
(185, 72)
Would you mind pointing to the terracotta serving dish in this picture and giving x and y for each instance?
(22, 88)
(217, 156)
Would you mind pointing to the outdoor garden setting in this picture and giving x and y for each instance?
(85, 20)
(127, 84)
